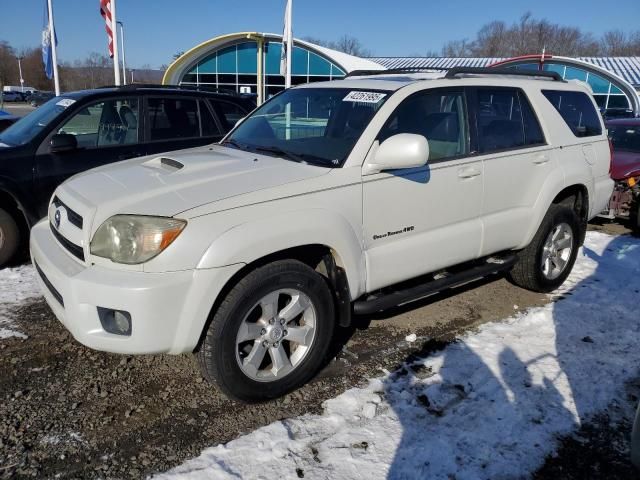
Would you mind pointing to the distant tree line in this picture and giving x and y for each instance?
(530, 35)
(93, 71)
(346, 44)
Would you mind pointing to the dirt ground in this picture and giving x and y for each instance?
(70, 412)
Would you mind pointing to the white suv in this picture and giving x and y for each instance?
(321, 203)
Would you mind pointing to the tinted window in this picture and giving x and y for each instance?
(113, 122)
(532, 131)
(209, 125)
(230, 113)
(577, 110)
(625, 137)
(500, 125)
(439, 116)
(172, 118)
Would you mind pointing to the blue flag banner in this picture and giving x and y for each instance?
(47, 55)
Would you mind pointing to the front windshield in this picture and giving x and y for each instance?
(318, 126)
(29, 126)
(625, 137)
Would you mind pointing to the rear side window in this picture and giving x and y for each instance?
(532, 131)
(577, 110)
(173, 118)
(499, 116)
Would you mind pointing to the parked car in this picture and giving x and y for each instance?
(40, 98)
(625, 170)
(82, 130)
(6, 120)
(635, 440)
(330, 199)
(11, 97)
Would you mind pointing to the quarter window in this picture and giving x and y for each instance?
(229, 113)
(439, 116)
(112, 122)
(209, 126)
(577, 110)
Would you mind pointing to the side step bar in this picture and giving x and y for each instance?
(399, 297)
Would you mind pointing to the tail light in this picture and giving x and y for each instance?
(610, 156)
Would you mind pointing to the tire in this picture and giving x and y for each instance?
(634, 216)
(530, 271)
(9, 238)
(234, 364)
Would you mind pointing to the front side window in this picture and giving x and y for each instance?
(439, 116)
(625, 137)
(173, 118)
(312, 125)
(25, 129)
(577, 111)
(106, 123)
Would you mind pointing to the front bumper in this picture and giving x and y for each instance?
(168, 310)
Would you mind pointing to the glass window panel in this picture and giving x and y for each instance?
(299, 60)
(554, 67)
(532, 131)
(575, 73)
(208, 65)
(227, 79)
(499, 120)
(171, 118)
(228, 113)
(247, 57)
(337, 71)
(598, 84)
(528, 66)
(272, 58)
(577, 111)
(207, 78)
(227, 60)
(601, 100)
(318, 65)
(209, 125)
(275, 80)
(615, 89)
(618, 101)
(189, 78)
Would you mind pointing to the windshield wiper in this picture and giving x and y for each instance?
(283, 153)
(234, 143)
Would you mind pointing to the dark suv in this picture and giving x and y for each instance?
(81, 130)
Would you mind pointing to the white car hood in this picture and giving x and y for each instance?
(171, 183)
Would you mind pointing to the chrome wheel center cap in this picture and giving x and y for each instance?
(276, 334)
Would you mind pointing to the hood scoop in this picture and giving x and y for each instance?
(166, 164)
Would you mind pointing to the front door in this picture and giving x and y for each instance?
(106, 131)
(419, 220)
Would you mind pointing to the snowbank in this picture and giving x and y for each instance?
(488, 406)
(16, 286)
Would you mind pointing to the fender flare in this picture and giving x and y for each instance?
(250, 241)
(6, 187)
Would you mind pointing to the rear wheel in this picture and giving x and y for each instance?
(547, 261)
(270, 334)
(9, 238)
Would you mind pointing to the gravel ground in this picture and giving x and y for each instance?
(69, 412)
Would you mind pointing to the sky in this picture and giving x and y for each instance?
(156, 29)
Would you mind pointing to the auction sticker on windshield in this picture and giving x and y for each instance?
(66, 102)
(364, 97)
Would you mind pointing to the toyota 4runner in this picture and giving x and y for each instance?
(331, 199)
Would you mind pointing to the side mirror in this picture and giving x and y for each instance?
(63, 142)
(404, 150)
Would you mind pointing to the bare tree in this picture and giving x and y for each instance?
(346, 44)
(458, 48)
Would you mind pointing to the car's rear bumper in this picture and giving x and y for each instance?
(168, 310)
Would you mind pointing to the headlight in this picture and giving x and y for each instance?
(135, 239)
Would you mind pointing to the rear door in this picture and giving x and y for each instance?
(106, 130)
(516, 161)
(178, 122)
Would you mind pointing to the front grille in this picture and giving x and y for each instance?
(76, 250)
(74, 218)
(52, 289)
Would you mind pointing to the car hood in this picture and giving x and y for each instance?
(172, 183)
(624, 164)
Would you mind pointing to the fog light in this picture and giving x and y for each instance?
(117, 322)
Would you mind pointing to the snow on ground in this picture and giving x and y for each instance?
(490, 405)
(16, 286)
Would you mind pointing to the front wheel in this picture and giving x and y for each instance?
(547, 261)
(270, 334)
(9, 238)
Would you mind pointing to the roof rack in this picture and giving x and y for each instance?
(366, 73)
(200, 88)
(456, 71)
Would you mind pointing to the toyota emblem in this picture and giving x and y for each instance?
(56, 218)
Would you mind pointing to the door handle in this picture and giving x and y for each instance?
(541, 159)
(468, 172)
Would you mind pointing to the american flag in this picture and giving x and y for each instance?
(105, 11)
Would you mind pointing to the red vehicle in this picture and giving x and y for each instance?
(625, 170)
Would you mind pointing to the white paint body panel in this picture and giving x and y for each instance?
(241, 207)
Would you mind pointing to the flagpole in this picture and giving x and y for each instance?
(54, 54)
(287, 82)
(114, 34)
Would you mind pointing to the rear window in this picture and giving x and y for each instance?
(577, 110)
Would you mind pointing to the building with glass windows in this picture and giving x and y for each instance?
(249, 62)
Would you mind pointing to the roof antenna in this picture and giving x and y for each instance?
(541, 66)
